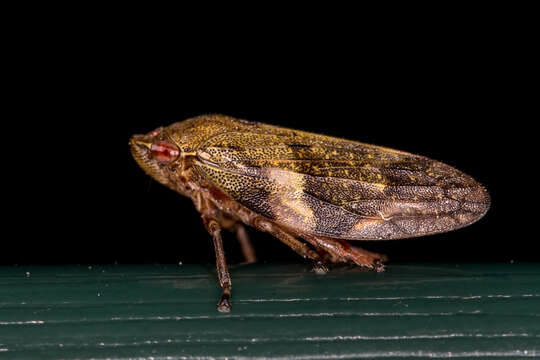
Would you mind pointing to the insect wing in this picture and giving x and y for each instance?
(332, 187)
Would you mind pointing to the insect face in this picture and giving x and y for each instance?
(156, 154)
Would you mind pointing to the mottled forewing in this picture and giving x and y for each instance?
(332, 187)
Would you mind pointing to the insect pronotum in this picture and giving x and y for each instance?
(312, 192)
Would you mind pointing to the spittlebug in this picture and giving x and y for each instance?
(312, 192)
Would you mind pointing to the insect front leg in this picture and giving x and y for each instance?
(239, 230)
(213, 227)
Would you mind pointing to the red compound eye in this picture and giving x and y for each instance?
(164, 151)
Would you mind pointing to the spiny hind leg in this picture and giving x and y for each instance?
(341, 250)
(290, 240)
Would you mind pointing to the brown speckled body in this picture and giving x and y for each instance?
(299, 185)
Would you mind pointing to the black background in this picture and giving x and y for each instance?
(447, 89)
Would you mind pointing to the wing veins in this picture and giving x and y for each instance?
(211, 164)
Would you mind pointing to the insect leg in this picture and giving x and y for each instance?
(213, 227)
(247, 248)
(299, 247)
(341, 249)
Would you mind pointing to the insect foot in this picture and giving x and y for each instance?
(319, 268)
(224, 304)
(378, 266)
(367, 259)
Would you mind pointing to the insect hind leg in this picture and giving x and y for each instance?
(287, 238)
(341, 250)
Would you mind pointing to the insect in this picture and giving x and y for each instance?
(315, 193)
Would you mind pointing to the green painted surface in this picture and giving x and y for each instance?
(279, 311)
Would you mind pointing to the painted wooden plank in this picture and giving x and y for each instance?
(279, 311)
